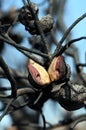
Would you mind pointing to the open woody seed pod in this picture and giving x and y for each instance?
(25, 15)
(57, 69)
(38, 76)
(45, 22)
(26, 18)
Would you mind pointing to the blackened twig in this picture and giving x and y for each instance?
(23, 91)
(78, 120)
(44, 121)
(81, 64)
(24, 50)
(71, 27)
(67, 33)
(13, 43)
(71, 122)
(16, 108)
(37, 23)
(79, 69)
(6, 109)
(63, 48)
(5, 88)
(9, 76)
(29, 124)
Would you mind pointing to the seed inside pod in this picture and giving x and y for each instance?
(57, 68)
(38, 73)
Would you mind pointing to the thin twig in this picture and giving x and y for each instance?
(78, 120)
(23, 91)
(5, 88)
(81, 64)
(6, 109)
(9, 76)
(13, 43)
(37, 23)
(24, 50)
(67, 45)
(67, 33)
(44, 121)
(71, 27)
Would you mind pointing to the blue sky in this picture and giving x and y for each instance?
(73, 10)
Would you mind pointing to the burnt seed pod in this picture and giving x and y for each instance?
(69, 99)
(25, 15)
(38, 76)
(57, 71)
(45, 22)
(26, 18)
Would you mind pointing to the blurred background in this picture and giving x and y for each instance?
(53, 112)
